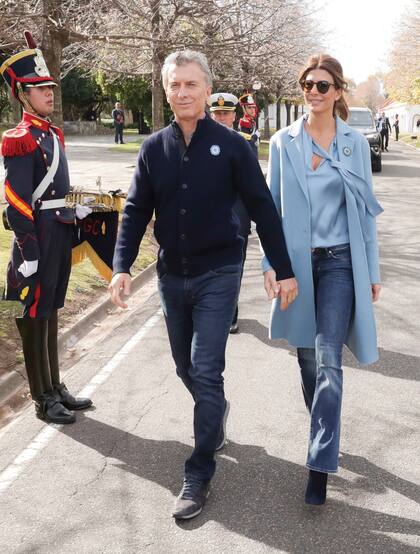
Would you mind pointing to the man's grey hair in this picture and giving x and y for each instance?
(184, 57)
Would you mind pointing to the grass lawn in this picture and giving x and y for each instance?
(409, 140)
(132, 146)
(263, 150)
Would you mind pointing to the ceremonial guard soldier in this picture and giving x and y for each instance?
(248, 122)
(37, 180)
(223, 110)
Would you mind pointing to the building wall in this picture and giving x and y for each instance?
(407, 114)
(272, 116)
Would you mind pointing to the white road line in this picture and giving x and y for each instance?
(13, 470)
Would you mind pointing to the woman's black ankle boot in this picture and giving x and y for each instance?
(316, 490)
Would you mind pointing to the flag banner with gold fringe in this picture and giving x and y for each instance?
(94, 238)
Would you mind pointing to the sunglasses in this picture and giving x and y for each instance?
(322, 86)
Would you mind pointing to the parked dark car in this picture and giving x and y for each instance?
(362, 120)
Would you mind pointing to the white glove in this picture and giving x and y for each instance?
(82, 211)
(28, 268)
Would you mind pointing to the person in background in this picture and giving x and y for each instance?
(119, 118)
(189, 175)
(396, 126)
(384, 127)
(320, 177)
(223, 110)
(248, 127)
(37, 180)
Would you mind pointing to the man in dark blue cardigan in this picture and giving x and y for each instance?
(190, 174)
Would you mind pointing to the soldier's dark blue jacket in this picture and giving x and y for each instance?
(192, 194)
(43, 235)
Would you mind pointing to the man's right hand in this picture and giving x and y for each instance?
(120, 284)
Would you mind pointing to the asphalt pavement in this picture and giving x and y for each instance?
(107, 483)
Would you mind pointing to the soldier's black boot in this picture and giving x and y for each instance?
(62, 393)
(47, 407)
(50, 409)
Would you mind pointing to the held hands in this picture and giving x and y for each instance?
(376, 290)
(120, 284)
(28, 268)
(286, 289)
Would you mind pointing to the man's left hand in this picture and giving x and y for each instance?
(288, 292)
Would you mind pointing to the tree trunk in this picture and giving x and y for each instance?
(52, 45)
(157, 60)
(266, 134)
(16, 110)
(157, 97)
(296, 112)
(288, 110)
(278, 114)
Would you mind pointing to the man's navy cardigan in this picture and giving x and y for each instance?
(192, 193)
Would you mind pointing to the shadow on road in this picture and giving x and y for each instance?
(260, 496)
(390, 364)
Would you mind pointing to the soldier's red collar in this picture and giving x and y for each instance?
(35, 121)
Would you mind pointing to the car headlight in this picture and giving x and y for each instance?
(373, 136)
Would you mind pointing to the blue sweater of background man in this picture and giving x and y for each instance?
(192, 191)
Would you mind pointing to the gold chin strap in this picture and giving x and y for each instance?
(23, 99)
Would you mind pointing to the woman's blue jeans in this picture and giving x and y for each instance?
(321, 372)
(198, 313)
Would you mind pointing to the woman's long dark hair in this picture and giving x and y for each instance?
(333, 66)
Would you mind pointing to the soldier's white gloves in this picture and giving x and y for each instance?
(82, 211)
(28, 268)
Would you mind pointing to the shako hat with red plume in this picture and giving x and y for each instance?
(26, 68)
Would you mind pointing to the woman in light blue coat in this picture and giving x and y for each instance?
(320, 178)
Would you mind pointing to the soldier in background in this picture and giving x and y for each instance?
(37, 180)
(248, 122)
(119, 118)
(223, 110)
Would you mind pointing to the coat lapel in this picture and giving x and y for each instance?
(294, 150)
(345, 147)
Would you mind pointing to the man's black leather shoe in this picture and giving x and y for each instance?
(49, 409)
(191, 499)
(69, 401)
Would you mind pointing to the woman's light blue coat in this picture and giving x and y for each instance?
(287, 182)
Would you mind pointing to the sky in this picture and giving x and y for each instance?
(359, 33)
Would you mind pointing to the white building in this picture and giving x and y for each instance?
(272, 116)
(408, 114)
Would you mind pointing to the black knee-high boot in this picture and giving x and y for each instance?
(68, 400)
(34, 343)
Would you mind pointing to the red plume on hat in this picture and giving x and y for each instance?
(29, 39)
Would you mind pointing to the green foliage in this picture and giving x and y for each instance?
(82, 96)
(134, 93)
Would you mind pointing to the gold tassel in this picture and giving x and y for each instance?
(85, 250)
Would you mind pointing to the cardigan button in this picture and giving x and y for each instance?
(184, 186)
(182, 211)
(186, 159)
(183, 237)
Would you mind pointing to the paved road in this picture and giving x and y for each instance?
(107, 483)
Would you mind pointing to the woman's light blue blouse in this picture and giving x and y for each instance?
(329, 225)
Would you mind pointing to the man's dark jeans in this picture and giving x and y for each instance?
(244, 248)
(119, 128)
(384, 139)
(198, 313)
(321, 372)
